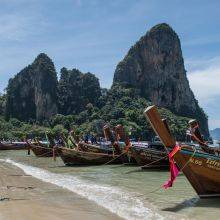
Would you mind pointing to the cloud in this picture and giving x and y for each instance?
(202, 64)
(20, 20)
(14, 27)
(201, 41)
(214, 123)
(204, 79)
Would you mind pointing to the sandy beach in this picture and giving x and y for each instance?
(24, 197)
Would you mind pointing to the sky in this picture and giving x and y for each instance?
(94, 35)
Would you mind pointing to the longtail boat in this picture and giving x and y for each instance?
(96, 148)
(197, 137)
(72, 157)
(41, 151)
(95, 154)
(13, 146)
(202, 169)
(153, 156)
(147, 155)
(116, 148)
(122, 136)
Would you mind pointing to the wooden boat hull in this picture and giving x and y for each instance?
(202, 170)
(155, 158)
(13, 146)
(126, 158)
(40, 151)
(72, 157)
(95, 148)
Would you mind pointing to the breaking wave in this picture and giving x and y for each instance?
(116, 200)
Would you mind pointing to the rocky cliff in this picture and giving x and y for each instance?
(32, 93)
(155, 67)
(153, 70)
(76, 90)
(35, 93)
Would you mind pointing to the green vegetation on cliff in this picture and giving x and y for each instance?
(76, 90)
(122, 106)
(152, 72)
(116, 106)
(2, 104)
(17, 130)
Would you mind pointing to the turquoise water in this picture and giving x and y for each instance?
(124, 190)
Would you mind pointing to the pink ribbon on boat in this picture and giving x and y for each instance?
(173, 168)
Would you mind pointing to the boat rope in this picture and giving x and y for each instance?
(152, 191)
(110, 161)
(158, 188)
(146, 165)
(114, 158)
(189, 159)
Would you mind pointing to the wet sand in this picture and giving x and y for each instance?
(24, 197)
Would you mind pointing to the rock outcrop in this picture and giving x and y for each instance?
(32, 93)
(155, 67)
(76, 90)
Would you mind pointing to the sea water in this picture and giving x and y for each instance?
(124, 190)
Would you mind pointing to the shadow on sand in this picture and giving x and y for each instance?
(195, 202)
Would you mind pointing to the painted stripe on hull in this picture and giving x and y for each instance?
(202, 155)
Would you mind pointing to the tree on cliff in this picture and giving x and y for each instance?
(122, 106)
(76, 90)
(2, 104)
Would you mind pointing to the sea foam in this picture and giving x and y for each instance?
(116, 200)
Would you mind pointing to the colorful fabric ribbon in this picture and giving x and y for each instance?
(173, 168)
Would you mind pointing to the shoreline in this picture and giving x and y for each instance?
(29, 198)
